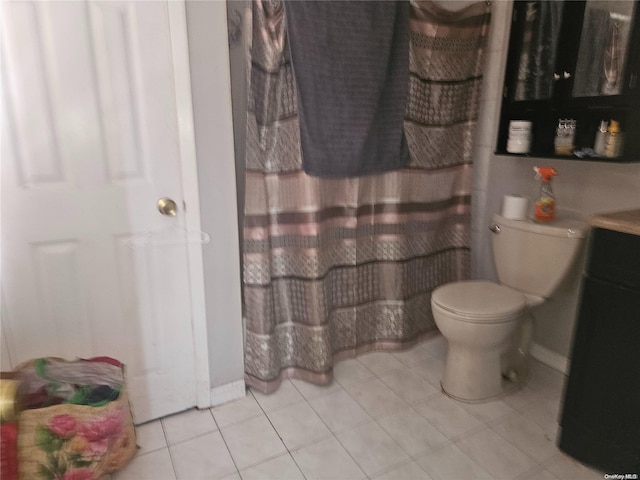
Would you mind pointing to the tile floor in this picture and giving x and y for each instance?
(384, 418)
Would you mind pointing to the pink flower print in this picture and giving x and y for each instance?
(97, 448)
(62, 425)
(78, 474)
(103, 428)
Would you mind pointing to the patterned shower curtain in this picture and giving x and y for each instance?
(337, 267)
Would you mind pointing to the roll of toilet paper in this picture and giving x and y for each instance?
(515, 207)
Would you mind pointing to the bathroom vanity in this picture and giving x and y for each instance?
(600, 423)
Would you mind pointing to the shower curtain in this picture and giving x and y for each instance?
(337, 267)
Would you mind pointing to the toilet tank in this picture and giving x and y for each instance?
(533, 257)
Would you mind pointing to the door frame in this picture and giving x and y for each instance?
(190, 192)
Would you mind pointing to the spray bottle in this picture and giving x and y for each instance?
(545, 202)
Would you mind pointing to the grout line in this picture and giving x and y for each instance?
(375, 420)
(225, 442)
(235, 422)
(334, 434)
(538, 462)
(268, 459)
(285, 445)
(173, 466)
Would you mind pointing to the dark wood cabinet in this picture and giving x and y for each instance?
(600, 423)
(576, 60)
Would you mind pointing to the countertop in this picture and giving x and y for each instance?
(627, 221)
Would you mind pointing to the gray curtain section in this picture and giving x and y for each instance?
(351, 65)
(338, 266)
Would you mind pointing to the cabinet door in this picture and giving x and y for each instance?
(603, 389)
(538, 36)
(604, 49)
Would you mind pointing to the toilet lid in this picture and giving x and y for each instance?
(479, 301)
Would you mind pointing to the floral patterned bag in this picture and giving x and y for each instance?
(75, 442)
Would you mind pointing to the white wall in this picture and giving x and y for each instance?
(211, 90)
(587, 187)
(236, 10)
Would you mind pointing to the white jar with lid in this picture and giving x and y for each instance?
(519, 140)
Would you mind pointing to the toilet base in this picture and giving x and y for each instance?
(475, 376)
(508, 386)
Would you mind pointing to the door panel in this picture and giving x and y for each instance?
(90, 142)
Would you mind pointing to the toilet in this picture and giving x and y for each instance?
(488, 325)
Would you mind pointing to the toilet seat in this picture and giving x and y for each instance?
(479, 301)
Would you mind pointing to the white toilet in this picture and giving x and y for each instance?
(488, 325)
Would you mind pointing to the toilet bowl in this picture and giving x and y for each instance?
(478, 319)
(488, 325)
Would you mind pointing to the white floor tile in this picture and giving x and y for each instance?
(521, 397)
(187, 425)
(413, 433)
(372, 448)
(545, 377)
(414, 357)
(348, 372)
(286, 395)
(202, 458)
(563, 466)
(545, 380)
(431, 372)
(327, 460)
(527, 436)
(409, 386)
(152, 466)
(233, 476)
(447, 416)
(310, 390)
(252, 442)
(406, 471)
(537, 473)
(150, 437)
(298, 425)
(380, 362)
(339, 411)
(376, 398)
(449, 462)
(236, 411)
(546, 413)
(488, 411)
(495, 455)
(279, 468)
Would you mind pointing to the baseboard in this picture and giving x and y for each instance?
(550, 358)
(227, 392)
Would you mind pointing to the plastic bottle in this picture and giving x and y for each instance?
(614, 140)
(565, 135)
(545, 210)
(601, 139)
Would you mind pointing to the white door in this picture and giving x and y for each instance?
(91, 139)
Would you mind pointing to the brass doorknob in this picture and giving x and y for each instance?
(168, 207)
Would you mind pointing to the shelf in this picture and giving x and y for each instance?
(541, 90)
(564, 157)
